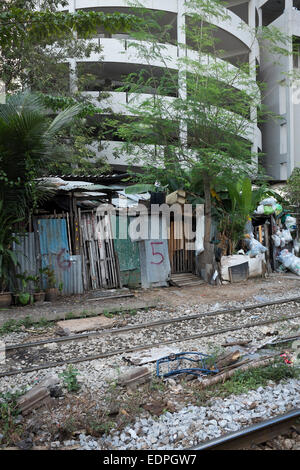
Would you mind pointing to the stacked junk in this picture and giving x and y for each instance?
(271, 243)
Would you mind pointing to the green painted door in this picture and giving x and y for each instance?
(127, 252)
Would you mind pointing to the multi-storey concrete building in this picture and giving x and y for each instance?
(281, 136)
(234, 34)
(280, 141)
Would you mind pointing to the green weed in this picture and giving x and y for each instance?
(9, 411)
(69, 377)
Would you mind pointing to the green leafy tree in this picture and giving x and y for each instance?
(37, 47)
(292, 190)
(30, 138)
(195, 121)
(28, 26)
(29, 141)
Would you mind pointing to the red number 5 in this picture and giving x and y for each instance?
(154, 253)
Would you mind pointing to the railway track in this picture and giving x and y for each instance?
(255, 434)
(140, 336)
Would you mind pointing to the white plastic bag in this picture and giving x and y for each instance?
(286, 235)
(270, 201)
(296, 246)
(290, 223)
(255, 247)
(290, 261)
(259, 210)
(277, 240)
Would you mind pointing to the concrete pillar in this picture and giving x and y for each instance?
(252, 64)
(72, 62)
(288, 4)
(291, 134)
(72, 6)
(181, 40)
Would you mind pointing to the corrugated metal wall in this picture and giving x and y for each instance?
(55, 252)
(26, 256)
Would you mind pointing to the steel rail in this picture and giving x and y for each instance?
(153, 324)
(141, 348)
(254, 434)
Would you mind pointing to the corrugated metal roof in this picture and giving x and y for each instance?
(85, 185)
(62, 185)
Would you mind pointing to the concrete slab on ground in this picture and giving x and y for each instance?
(86, 324)
(55, 312)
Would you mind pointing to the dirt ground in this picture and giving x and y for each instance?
(77, 305)
(276, 284)
(71, 414)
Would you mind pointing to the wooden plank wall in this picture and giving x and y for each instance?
(182, 260)
(100, 265)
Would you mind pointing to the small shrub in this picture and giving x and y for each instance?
(8, 413)
(70, 379)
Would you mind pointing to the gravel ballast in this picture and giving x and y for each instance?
(193, 425)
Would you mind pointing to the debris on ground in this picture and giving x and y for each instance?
(39, 395)
(150, 355)
(138, 375)
(194, 363)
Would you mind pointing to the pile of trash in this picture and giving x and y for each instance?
(268, 206)
(285, 247)
(255, 247)
(282, 238)
(289, 261)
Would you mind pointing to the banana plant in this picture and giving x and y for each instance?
(243, 202)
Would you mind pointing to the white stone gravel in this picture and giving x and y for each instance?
(191, 425)
(195, 424)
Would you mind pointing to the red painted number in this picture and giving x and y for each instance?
(157, 253)
(63, 264)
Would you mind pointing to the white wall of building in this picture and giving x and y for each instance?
(281, 137)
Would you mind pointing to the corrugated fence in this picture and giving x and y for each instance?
(53, 251)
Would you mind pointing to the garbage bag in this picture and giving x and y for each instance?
(286, 234)
(296, 246)
(289, 261)
(270, 201)
(268, 210)
(277, 240)
(255, 247)
(278, 209)
(259, 210)
(290, 223)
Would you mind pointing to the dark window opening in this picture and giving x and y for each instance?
(162, 25)
(296, 52)
(116, 128)
(271, 11)
(241, 11)
(109, 77)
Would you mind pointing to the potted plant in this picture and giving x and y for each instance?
(51, 291)
(38, 295)
(24, 297)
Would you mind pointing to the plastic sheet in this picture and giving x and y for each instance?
(290, 261)
(255, 247)
(290, 223)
